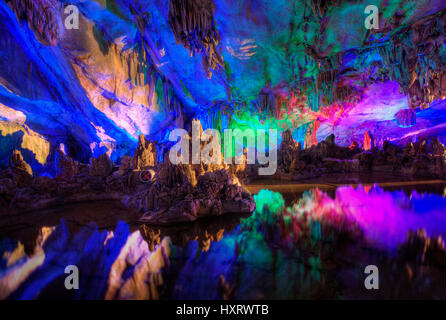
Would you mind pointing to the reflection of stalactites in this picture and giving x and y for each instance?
(193, 24)
(41, 16)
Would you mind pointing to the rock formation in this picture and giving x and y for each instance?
(101, 166)
(145, 156)
(164, 193)
(192, 22)
(16, 161)
(288, 153)
(178, 195)
(67, 168)
(406, 118)
(42, 17)
(369, 142)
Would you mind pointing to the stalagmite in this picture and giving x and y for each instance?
(406, 118)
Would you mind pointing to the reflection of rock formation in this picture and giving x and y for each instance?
(203, 231)
(112, 265)
(406, 118)
(317, 248)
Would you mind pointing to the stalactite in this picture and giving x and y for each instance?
(406, 118)
(326, 84)
(192, 23)
(41, 16)
(141, 69)
(369, 141)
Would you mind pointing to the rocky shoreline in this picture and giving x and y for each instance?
(167, 194)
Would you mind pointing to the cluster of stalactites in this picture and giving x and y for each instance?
(142, 72)
(414, 59)
(192, 22)
(41, 16)
(328, 89)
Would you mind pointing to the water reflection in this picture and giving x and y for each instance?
(314, 246)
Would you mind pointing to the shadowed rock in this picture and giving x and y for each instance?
(102, 166)
(16, 161)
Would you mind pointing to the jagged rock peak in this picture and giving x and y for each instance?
(16, 161)
(146, 154)
(101, 166)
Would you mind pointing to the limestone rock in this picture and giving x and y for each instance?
(173, 199)
(67, 168)
(126, 166)
(145, 156)
(369, 141)
(406, 118)
(16, 161)
(288, 152)
(44, 185)
(102, 166)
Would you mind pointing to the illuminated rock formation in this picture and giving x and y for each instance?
(193, 24)
(101, 166)
(115, 265)
(406, 118)
(16, 161)
(311, 134)
(145, 154)
(288, 153)
(178, 195)
(67, 168)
